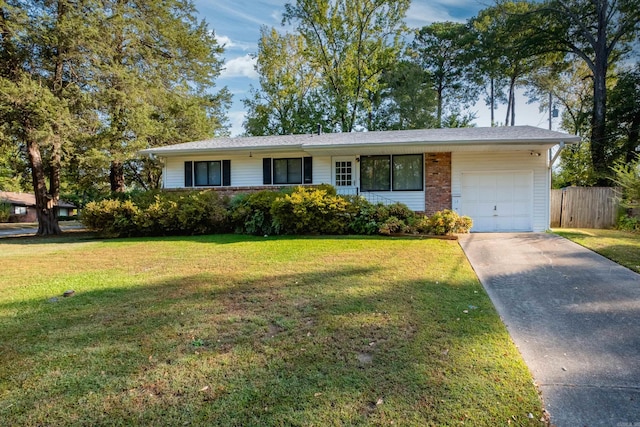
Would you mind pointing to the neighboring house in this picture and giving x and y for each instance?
(23, 207)
(500, 176)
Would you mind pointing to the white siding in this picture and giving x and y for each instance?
(245, 171)
(507, 161)
(413, 199)
(321, 170)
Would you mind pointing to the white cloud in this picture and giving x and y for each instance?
(228, 43)
(236, 118)
(242, 66)
(224, 41)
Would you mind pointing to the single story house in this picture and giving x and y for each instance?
(22, 206)
(499, 176)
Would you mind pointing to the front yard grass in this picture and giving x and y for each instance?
(247, 331)
(622, 247)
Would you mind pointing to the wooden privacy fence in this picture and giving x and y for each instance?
(584, 207)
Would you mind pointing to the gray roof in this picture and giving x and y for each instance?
(504, 135)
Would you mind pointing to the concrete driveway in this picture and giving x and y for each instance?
(575, 317)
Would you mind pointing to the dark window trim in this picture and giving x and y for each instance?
(391, 171)
(269, 172)
(190, 173)
(421, 164)
(387, 156)
(288, 182)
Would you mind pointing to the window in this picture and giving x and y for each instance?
(343, 174)
(397, 173)
(296, 170)
(407, 172)
(375, 173)
(287, 171)
(207, 174)
(19, 210)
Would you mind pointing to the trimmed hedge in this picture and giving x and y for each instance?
(300, 210)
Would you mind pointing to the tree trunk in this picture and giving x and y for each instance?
(598, 118)
(439, 112)
(45, 202)
(116, 177)
(513, 107)
(492, 98)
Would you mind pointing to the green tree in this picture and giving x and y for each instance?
(406, 99)
(289, 99)
(627, 176)
(444, 50)
(350, 43)
(624, 113)
(599, 32)
(42, 47)
(151, 51)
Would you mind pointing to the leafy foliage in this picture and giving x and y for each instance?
(444, 50)
(627, 176)
(298, 210)
(445, 222)
(310, 211)
(349, 44)
(168, 214)
(251, 213)
(5, 211)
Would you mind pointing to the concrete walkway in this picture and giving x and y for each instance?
(575, 317)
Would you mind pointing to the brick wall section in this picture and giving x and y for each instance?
(437, 182)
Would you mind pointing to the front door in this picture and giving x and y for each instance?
(344, 175)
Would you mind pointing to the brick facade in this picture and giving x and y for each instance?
(437, 179)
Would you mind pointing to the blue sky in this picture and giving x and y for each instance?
(237, 23)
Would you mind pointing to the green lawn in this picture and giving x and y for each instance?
(247, 331)
(622, 247)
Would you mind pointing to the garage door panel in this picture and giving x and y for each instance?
(499, 201)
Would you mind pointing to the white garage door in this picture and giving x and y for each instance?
(498, 201)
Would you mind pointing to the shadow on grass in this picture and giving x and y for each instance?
(323, 348)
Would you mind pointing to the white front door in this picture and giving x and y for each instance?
(344, 175)
(498, 201)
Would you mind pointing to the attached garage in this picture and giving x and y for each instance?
(498, 201)
(502, 191)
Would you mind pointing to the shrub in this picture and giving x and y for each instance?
(310, 211)
(392, 225)
(168, 214)
(443, 223)
(629, 223)
(111, 217)
(5, 211)
(251, 213)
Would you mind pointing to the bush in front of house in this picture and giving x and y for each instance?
(299, 210)
(310, 210)
(180, 213)
(251, 213)
(111, 217)
(442, 223)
